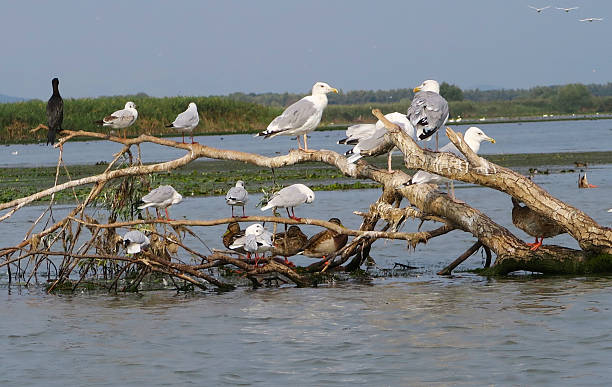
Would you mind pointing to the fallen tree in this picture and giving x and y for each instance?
(78, 248)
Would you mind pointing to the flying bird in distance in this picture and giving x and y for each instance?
(539, 10)
(591, 19)
(567, 9)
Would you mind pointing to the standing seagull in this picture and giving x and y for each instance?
(302, 117)
(428, 111)
(291, 196)
(366, 137)
(237, 196)
(539, 10)
(55, 112)
(187, 121)
(256, 240)
(473, 137)
(161, 197)
(121, 119)
(567, 9)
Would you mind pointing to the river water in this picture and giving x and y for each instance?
(408, 328)
(543, 137)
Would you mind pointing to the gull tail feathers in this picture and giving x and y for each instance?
(354, 158)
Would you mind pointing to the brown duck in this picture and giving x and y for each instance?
(289, 243)
(233, 232)
(326, 242)
(534, 224)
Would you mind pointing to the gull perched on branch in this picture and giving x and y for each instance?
(366, 137)
(290, 197)
(121, 119)
(539, 10)
(301, 117)
(187, 121)
(161, 197)
(134, 241)
(428, 111)
(473, 137)
(256, 240)
(567, 9)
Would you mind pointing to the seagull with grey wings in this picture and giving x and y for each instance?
(428, 111)
(237, 196)
(290, 197)
(186, 121)
(134, 241)
(121, 119)
(161, 197)
(473, 137)
(301, 117)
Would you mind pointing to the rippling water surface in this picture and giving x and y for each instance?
(410, 329)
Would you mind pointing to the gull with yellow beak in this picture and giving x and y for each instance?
(301, 117)
(473, 137)
(428, 111)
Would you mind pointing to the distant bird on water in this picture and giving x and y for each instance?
(534, 224)
(567, 9)
(428, 111)
(187, 121)
(539, 10)
(301, 117)
(55, 112)
(121, 119)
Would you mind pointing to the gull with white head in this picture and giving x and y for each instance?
(186, 121)
(134, 241)
(473, 137)
(161, 197)
(301, 117)
(428, 111)
(237, 196)
(121, 119)
(290, 197)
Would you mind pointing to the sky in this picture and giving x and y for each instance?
(200, 48)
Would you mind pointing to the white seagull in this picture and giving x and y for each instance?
(237, 196)
(187, 121)
(121, 119)
(301, 117)
(539, 10)
(366, 137)
(134, 241)
(256, 240)
(161, 197)
(473, 137)
(567, 9)
(290, 197)
(428, 111)
(591, 19)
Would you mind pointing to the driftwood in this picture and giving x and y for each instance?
(168, 251)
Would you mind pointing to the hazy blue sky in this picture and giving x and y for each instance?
(167, 48)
